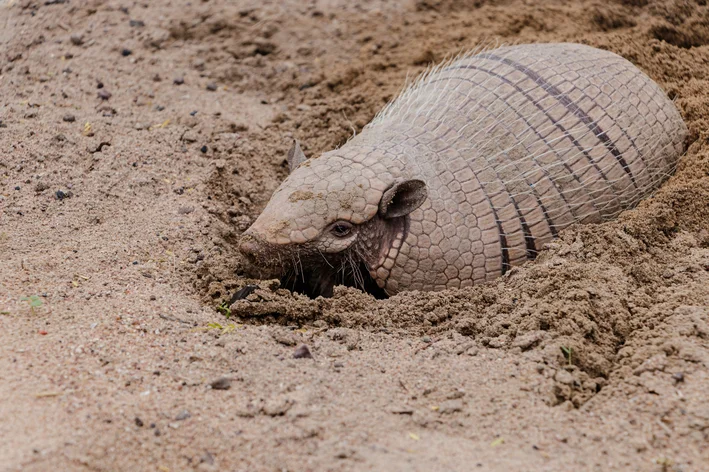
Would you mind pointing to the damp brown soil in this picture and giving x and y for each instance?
(137, 142)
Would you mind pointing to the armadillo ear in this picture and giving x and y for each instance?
(402, 198)
(295, 156)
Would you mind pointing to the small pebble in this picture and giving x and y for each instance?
(198, 63)
(17, 187)
(302, 352)
(183, 415)
(136, 23)
(77, 39)
(223, 383)
(138, 422)
(153, 297)
(204, 149)
(451, 406)
(678, 377)
(211, 86)
(207, 458)
(69, 118)
(61, 195)
(178, 80)
(104, 94)
(126, 52)
(564, 377)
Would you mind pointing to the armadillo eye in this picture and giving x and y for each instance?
(341, 229)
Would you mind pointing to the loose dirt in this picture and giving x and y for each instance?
(139, 139)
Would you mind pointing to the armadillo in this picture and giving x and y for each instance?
(470, 171)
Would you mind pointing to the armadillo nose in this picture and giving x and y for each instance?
(249, 246)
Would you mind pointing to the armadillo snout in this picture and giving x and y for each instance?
(251, 247)
(263, 260)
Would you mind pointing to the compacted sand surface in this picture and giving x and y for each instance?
(139, 139)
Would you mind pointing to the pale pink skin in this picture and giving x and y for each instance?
(505, 148)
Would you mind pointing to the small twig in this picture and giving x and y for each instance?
(664, 426)
(99, 148)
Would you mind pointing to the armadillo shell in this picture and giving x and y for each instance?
(515, 144)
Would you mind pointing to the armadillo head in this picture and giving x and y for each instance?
(334, 220)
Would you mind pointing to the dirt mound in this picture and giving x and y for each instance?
(596, 286)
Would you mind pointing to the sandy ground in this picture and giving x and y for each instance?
(137, 141)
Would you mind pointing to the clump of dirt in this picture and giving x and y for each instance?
(682, 24)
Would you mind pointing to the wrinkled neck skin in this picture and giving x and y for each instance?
(364, 265)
